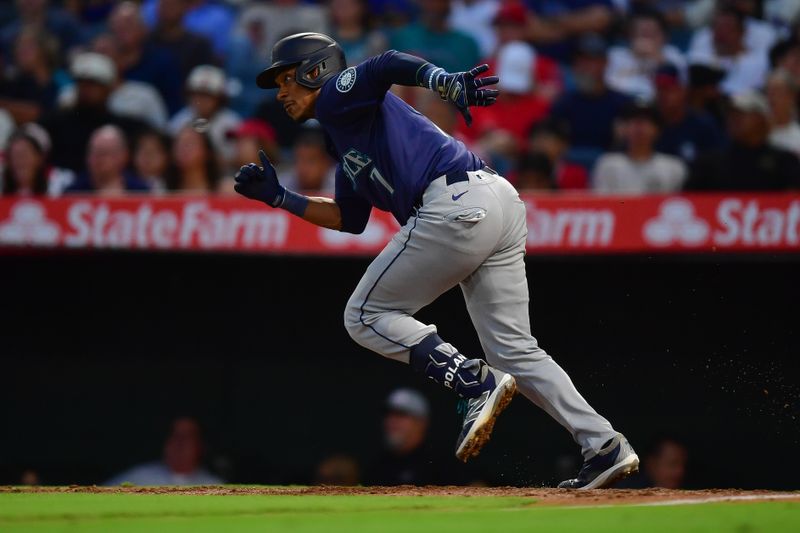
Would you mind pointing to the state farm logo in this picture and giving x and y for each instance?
(676, 223)
(569, 227)
(28, 224)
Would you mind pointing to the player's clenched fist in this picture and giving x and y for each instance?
(464, 89)
(260, 183)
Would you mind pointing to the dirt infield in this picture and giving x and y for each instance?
(545, 496)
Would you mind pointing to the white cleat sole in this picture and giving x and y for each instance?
(621, 470)
(481, 429)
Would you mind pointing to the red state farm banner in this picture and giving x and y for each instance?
(557, 224)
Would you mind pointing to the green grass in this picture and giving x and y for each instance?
(33, 512)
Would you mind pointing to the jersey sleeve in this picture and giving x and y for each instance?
(354, 208)
(358, 90)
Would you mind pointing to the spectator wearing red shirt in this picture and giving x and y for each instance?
(517, 108)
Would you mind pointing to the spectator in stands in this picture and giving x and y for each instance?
(534, 171)
(510, 26)
(393, 14)
(749, 163)
(206, 88)
(517, 108)
(350, 21)
(140, 60)
(759, 35)
(181, 463)
(664, 465)
(107, 162)
(430, 38)
(90, 14)
(705, 95)
(632, 68)
(476, 17)
(32, 88)
(591, 108)
(639, 169)
(744, 68)
(242, 65)
(313, 169)
(40, 16)
(169, 33)
(129, 98)
(551, 138)
(685, 132)
(27, 170)
(407, 459)
(212, 19)
(782, 94)
(151, 159)
(195, 168)
(70, 128)
(338, 470)
(276, 20)
(557, 25)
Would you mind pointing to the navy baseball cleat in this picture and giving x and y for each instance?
(481, 412)
(615, 461)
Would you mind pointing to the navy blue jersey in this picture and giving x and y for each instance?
(387, 151)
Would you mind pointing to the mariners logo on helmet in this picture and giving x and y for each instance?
(346, 80)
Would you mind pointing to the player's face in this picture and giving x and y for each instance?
(298, 101)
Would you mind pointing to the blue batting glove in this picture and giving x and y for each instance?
(463, 89)
(260, 183)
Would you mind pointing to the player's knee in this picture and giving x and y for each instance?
(352, 320)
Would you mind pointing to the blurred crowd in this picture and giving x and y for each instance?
(407, 455)
(614, 96)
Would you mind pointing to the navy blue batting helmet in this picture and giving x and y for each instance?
(306, 51)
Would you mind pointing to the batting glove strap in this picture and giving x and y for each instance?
(292, 202)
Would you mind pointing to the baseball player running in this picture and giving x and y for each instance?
(462, 224)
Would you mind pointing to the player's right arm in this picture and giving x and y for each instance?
(348, 213)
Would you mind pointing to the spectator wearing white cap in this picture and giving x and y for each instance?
(503, 127)
(28, 171)
(71, 126)
(749, 163)
(206, 88)
(782, 93)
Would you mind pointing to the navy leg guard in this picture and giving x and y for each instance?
(442, 363)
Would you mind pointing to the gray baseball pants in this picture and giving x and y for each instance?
(471, 233)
